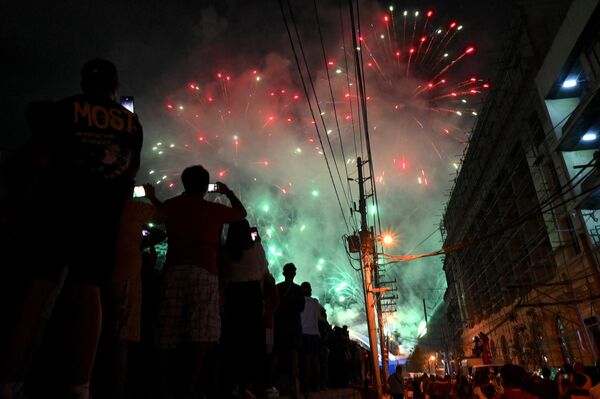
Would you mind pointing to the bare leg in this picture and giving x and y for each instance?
(28, 326)
(120, 369)
(294, 373)
(87, 321)
(315, 372)
(162, 371)
(198, 353)
(114, 347)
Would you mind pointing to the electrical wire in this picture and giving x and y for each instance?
(363, 101)
(524, 217)
(559, 191)
(463, 244)
(306, 92)
(317, 102)
(339, 130)
(348, 81)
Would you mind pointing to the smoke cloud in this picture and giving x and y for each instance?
(250, 126)
(276, 165)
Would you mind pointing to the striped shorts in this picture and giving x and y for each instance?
(189, 309)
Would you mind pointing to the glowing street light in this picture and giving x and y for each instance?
(569, 83)
(589, 136)
(387, 239)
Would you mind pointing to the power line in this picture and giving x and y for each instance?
(526, 217)
(363, 100)
(317, 102)
(298, 65)
(348, 83)
(558, 191)
(339, 131)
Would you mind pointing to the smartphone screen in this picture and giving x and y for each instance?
(213, 187)
(253, 233)
(138, 191)
(127, 102)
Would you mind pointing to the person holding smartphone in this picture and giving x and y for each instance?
(243, 327)
(122, 295)
(189, 310)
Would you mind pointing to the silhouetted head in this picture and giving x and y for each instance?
(579, 380)
(306, 288)
(195, 180)
(398, 369)
(100, 77)
(289, 271)
(546, 372)
(512, 375)
(238, 239)
(488, 391)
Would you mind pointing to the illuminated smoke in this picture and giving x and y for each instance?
(252, 130)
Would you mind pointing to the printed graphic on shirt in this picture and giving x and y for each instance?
(106, 138)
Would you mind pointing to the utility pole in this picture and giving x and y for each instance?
(367, 255)
(380, 322)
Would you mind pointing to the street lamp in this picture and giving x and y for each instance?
(431, 364)
(387, 239)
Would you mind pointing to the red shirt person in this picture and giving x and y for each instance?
(189, 311)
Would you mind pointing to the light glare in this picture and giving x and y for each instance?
(590, 136)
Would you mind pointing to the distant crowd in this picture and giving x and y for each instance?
(95, 316)
(506, 382)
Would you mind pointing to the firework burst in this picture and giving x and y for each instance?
(253, 131)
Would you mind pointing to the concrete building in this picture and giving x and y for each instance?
(527, 197)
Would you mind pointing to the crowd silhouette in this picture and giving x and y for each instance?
(87, 310)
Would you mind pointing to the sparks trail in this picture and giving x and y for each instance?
(421, 60)
(416, 71)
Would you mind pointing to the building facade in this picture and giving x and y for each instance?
(527, 198)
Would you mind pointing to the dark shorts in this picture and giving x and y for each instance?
(81, 238)
(310, 344)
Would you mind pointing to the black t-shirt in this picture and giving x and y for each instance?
(92, 149)
(86, 151)
(291, 304)
(98, 141)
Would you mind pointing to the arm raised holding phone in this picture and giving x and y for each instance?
(221, 188)
(233, 199)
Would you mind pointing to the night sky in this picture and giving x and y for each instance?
(156, 43)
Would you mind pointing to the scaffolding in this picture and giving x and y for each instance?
(531, 280)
